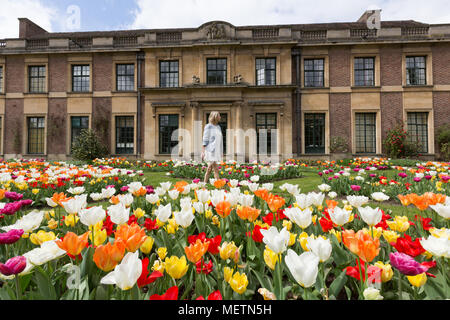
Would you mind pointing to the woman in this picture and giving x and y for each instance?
(212, 151)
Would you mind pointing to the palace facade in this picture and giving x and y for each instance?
(312, 84)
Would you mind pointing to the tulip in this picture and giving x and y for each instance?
(229, 251)
(442, 210)
(184, 218)
(170, 294)
(13, 266)
(162, 252)
(76, 204)
(357, 201)
(11, 236)
(73, 244)
(92, 216)
(41, 237)
(361, 244)
(303, 218)
(372, 294)
(216, 295)
(418, 280)
(133, 236)
(223, 209)
(304, 268)
(339, 216)
(379, 196)
(145, 279)
(126, 274)
(386, 271)
(173, 194)
(28, 222)
(239, 282)
(106, 257)
(276, 241)
(270, 258)
(176, 267)
(152, 198)
(438, 247)
(196, 251)
(119, 213)
(406, 245)
(100, 234)
(163, 213)
(406, 264)
(320, 247)
(48, 251)
(390, 236)
(370, 216)
(147, 246)
(400, 223)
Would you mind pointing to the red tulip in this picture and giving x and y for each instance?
(171, 294)
(216, 295)
(144, 279)
(406, 245)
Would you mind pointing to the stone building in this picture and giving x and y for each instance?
(309, 83)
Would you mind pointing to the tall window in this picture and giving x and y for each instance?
(223, 123)
(265, 124)
(125, 135)
(1, 134)
(314, 133)
(36, 135)
(365, 132)
(81, 78)
(416, 71)
(364, 71)
(168, 74)
(36, 79)
(1, 79)
(125, 77)
(168, 123)
(314, 72)
(216, 71)
(266, 71)
(77, 124)
(418, 129)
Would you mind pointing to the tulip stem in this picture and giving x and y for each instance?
(399, 286)
(18, 291)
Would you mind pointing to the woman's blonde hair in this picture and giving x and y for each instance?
(214, 117)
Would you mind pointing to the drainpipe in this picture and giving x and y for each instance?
(140, 56)
(297, 54)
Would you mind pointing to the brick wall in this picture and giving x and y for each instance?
(441, 64)
(441, 105)
(56, 126)
(15, 74)
(340, 117)
(101, 119)
(14, 123)
(391, 104)
(102, 73)
(58, 73)
(391, 65)
(339, 60)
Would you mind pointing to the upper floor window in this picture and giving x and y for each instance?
(216, 71)
(125, 77)
(1, 79)
(81, 78)
(36, 79)
(364, 71)
(416, 71)
(168, 74)
(314, 72)
(265, 71)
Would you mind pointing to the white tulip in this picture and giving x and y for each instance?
(234, 183)
(332, 195)
(438, 247)
(199, 207)
(254, 178)
(276, 241)
(232, 198)
(76, 191)
(442, 210)
(108, 193)
(152, 198)
(125, 274)
(76, 204)
(370, 215)
(246, 200)
(217, 196)
(48, 251)
(316, 198)
(253, 186)
(165, 186)
(28, 222)
(320, 247)
(324, 187)
(96, 196)
(203, 195)
(304, 268)
(303, 201)
(268, 186)
(339, 216)
(163, 213)
(184, 218)
(371, 293)
(379, 196)
(92, 216)
(302, 218)
(126, 199)
(134, 186)
(119, 213)
(160, 191)
(357, 201)
(173, 194)
(186, 203)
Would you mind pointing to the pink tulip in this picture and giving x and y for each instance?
(428, 177)
(196, 180)
(11, 236)
(417, 179)
(402, 175)
(13, 266)
(406, 264)
(355, 187)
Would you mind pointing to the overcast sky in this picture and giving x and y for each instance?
(100, 15)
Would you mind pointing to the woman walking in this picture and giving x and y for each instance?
(212, 151)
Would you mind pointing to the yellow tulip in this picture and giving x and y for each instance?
(287, 224)
(158, 265)
(208, 214)
(41, 236)
(52, 224)
(159, 223)
(270, 258)
(386, 271)
(215, 221)
(418, 280)
(71, 220)
(176, 267)
(49, 214)
(227, 274)
(337, 234)
(303, 239)
(228, 250)
(172, 227)
(292, 238)
(440, 233)
(267, 295)
(162, 252)
(400, 223)
(139, 213)
(99, 234)
(35, 191)
(314, 218)
(239, 282)
(390, 236)
(147, 246)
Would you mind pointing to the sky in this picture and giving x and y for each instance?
(103, 15)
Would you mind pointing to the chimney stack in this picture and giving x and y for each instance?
(29, 29)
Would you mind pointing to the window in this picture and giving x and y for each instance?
(418, 129)
(1, 79)
(1, 134)
(364, 71)
(36, 135)
(216, 71)
(365, 132)
(314, 133)
(314, 72)
(36, 79)
(125, 77)
(81, 78)
(415, 71)
(168, 74)
(168, 123)
(78, 124)
(223, 123)
(266, 71)
(265, 124)
(125, 135)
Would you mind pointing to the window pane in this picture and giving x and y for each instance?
(314, 72)
(416, 70)
(167, 125)
(265, 123)
(365, 129)
(216, 71)
(168, 74)
(315, 133)
(418, 130)
(125, 135)
(36, 128)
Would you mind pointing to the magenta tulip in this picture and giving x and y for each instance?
(402, 175)
(355, 187)
(406, 264)
(11, 236)
(13, 266)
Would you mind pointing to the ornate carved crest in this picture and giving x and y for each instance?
(216, 31)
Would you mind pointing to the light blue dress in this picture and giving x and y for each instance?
(212, 141)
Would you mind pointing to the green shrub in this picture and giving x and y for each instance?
(87, 146)
(443, 140)
(397, 144)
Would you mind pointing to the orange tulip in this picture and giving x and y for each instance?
(248, 213)
(275, 202)
(331, 204)
(361, 244)
(73, 244)
(106, 257)
(405, 200)
(218, 184)
(59, 198)
(179, 186)
(133, 236)
(223, 209)
(2, 193)
(196, 250)
(114, 200)
(141, 192)
(262, 193)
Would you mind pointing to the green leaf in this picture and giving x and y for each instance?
(25, 281)
(348, 292)
(5, 293)
(337, 284)
(261, 280)
(101, 293)
(45, 287)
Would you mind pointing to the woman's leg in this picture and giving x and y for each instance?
(216, 171)
(208, 172)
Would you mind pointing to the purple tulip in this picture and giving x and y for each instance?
(402, 175)
(372, 175)
(11, 236)
(26, 202)
(150, 189)
(406, 264)
(330, 178)
(13, 195)
(13, 266)
(320, 173)
(355, 187)
(356, 169)
(417, 179)
(11, 208)
(445, 178)
(428, 177)
(327, 172)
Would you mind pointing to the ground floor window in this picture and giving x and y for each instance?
(36, 135)
(314, 133)
(418, 129)
(266, 123)
(76, 125)
(223, 124)
(365, 124)
(124, 135)
(168, 123)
